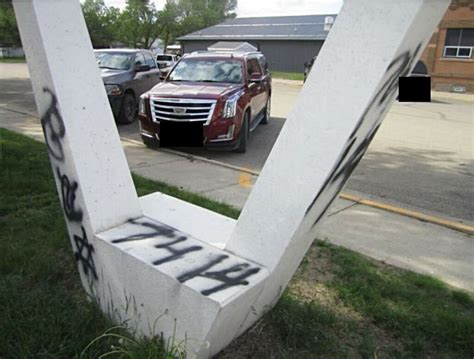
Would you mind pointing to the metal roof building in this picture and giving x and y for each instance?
(286, 41)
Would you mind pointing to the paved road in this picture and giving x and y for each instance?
(422, 157)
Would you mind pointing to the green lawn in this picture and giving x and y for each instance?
(12, 60)
(339, 303)
(299, 76)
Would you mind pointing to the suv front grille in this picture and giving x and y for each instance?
(182, 110)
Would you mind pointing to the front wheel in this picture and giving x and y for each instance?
(128, 109)
(244, 135)
(150, 142)
(266, 114)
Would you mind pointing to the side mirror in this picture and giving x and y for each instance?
(142, 68)
(256, 77)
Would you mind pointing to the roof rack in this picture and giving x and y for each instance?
(224, 52)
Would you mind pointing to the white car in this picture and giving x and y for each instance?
(166, 63)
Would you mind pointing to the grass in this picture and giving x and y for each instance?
(339, 303)
(12, 60)
(298, 76)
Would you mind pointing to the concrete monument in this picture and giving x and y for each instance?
(167, 266)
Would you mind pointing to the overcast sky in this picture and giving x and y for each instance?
(251, 8)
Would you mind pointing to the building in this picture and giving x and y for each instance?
(286, 41)
(449, 55)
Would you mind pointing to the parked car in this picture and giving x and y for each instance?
(307, 67)
(229, 93)
(165, 63)
(419, 70)
(126, 74)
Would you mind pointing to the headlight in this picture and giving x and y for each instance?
(141, 106)
(113, 90)
(230, 107)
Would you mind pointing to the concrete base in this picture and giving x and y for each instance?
(176, 277)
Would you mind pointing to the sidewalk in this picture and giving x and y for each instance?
(435, 95)
(395, 239)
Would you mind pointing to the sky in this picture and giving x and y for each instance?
(252, 8)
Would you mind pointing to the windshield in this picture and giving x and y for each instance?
(207, 70)
(114, 60)
(164, 58)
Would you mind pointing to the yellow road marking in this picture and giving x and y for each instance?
(245, 180)
(409, 213)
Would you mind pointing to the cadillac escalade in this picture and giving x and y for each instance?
(227, 93)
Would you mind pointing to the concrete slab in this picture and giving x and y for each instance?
(193, 176)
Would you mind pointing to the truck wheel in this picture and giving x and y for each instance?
(128, 109)
(244, 135)
(150, 142)
(266, 113)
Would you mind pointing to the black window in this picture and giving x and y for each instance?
(149, 60)
(459, 43)
(253, 66)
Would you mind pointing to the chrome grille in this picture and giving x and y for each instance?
(185, 110)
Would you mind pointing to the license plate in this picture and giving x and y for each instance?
(181, 134)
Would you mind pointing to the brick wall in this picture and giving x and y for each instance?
(447, 73)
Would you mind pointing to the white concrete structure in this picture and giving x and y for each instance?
(166, 266)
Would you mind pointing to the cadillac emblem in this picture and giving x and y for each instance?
(179, 110)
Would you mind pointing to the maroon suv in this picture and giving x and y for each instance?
(227, 93)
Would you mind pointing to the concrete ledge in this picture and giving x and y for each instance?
(156, 272)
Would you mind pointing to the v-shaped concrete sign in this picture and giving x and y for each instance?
(167, 266)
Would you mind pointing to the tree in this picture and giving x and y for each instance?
(139, 24)
(101, 22)
(181, 17)
(9, 34)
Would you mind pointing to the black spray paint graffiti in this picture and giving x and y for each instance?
(156, 230)
(222, 275)
(84, 254)
(175, 253)
(68, 195)
(362, 135)
(54, 132)
(241, 271)
(53, 128)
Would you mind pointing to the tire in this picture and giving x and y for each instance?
(266, 114)
(150, 142)
(128, 109)
(244, 135)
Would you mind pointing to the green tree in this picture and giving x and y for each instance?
(9, 34)
(181, 17)
(101, 22)
(139, 24)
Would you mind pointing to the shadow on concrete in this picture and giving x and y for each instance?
(432, 180)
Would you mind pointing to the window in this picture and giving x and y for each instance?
(149, 60)
(263, 64)
(253, 66)
(113, 60)
(207, 70)
(139, 59)
(459, 43)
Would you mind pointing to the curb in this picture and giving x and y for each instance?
(410, 213)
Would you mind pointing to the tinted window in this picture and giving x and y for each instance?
(164, 58)
(459, 37)
(253, 66)
(207, 70)
(149, 60)
(113, 60)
